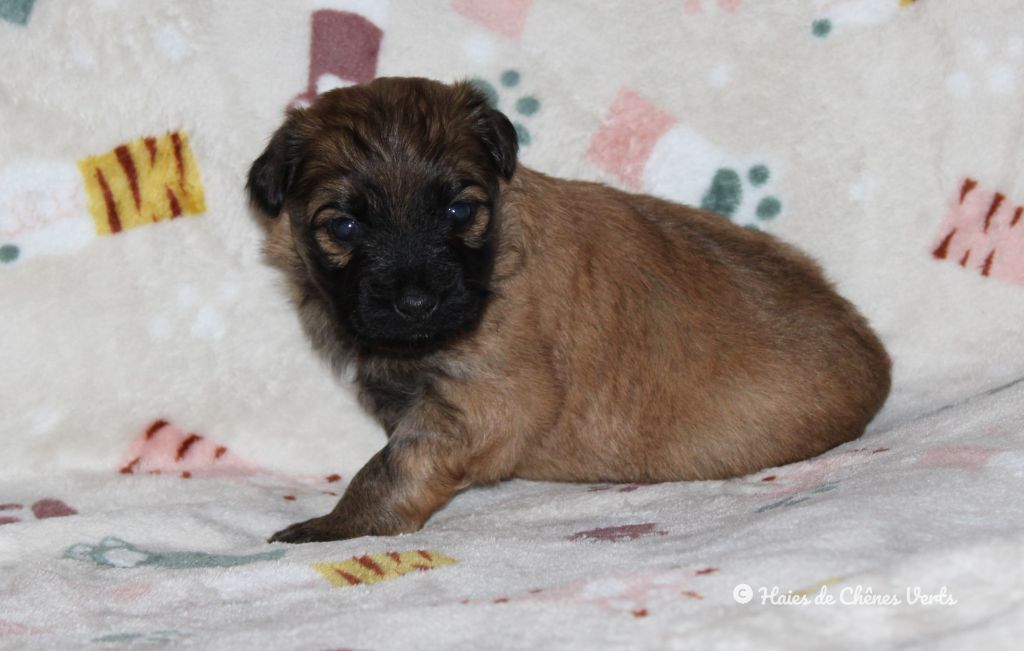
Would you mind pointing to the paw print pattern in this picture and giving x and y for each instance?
(114, 552)
(726, 196)
(48, 507)
(522, 108)
(16, 11)
(989, 68)
(9, 253)
(646, 148)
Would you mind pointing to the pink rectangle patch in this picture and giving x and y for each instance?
(627, 136)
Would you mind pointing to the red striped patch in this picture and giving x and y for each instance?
(176, 139)
(369, 564)
(154, 428)
(112, 219)
(189, 441)
(988, 263)
(351, 578)
(173, 200)
(943, 249)
(151, 146)
(997, 201)
(124, 157)
(969, 184)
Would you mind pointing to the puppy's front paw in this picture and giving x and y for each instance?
(319, 529)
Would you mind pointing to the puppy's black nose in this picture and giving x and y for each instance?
(415, 303)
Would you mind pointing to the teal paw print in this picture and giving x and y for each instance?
(16, 11)
(743, 199)
(522, 108)
(114, 552)
(9, 253)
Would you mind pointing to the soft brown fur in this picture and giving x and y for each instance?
(627, 339)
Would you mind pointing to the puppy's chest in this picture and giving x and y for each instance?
(391, 389)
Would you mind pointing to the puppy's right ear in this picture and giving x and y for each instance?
(272, 174)
(502, 142)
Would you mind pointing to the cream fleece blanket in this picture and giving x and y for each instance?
(160, 412)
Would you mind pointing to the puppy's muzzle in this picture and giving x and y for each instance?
(415, 303)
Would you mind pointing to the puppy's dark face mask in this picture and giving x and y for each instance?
(390, 190)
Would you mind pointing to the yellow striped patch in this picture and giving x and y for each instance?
(144, 181)
(374, 568)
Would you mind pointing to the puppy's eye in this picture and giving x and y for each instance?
(344, 229)
(461, 213)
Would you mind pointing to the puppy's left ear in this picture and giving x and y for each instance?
(272, 174)
(500, 137)
(491, 126)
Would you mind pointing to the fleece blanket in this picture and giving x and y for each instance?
(161, 413)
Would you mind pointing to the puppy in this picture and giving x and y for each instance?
(503, 323)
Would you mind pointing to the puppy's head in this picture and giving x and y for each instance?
(389, 190)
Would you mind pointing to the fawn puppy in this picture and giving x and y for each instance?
(503, 323)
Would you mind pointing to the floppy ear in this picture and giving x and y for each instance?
(271, 175)
(502, 141)
(491, 126)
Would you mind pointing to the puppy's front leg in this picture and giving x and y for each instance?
(395, 492)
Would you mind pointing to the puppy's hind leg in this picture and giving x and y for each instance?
(395, 492)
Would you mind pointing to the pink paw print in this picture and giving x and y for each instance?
(48, 507)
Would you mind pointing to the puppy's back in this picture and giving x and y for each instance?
(689, 347)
